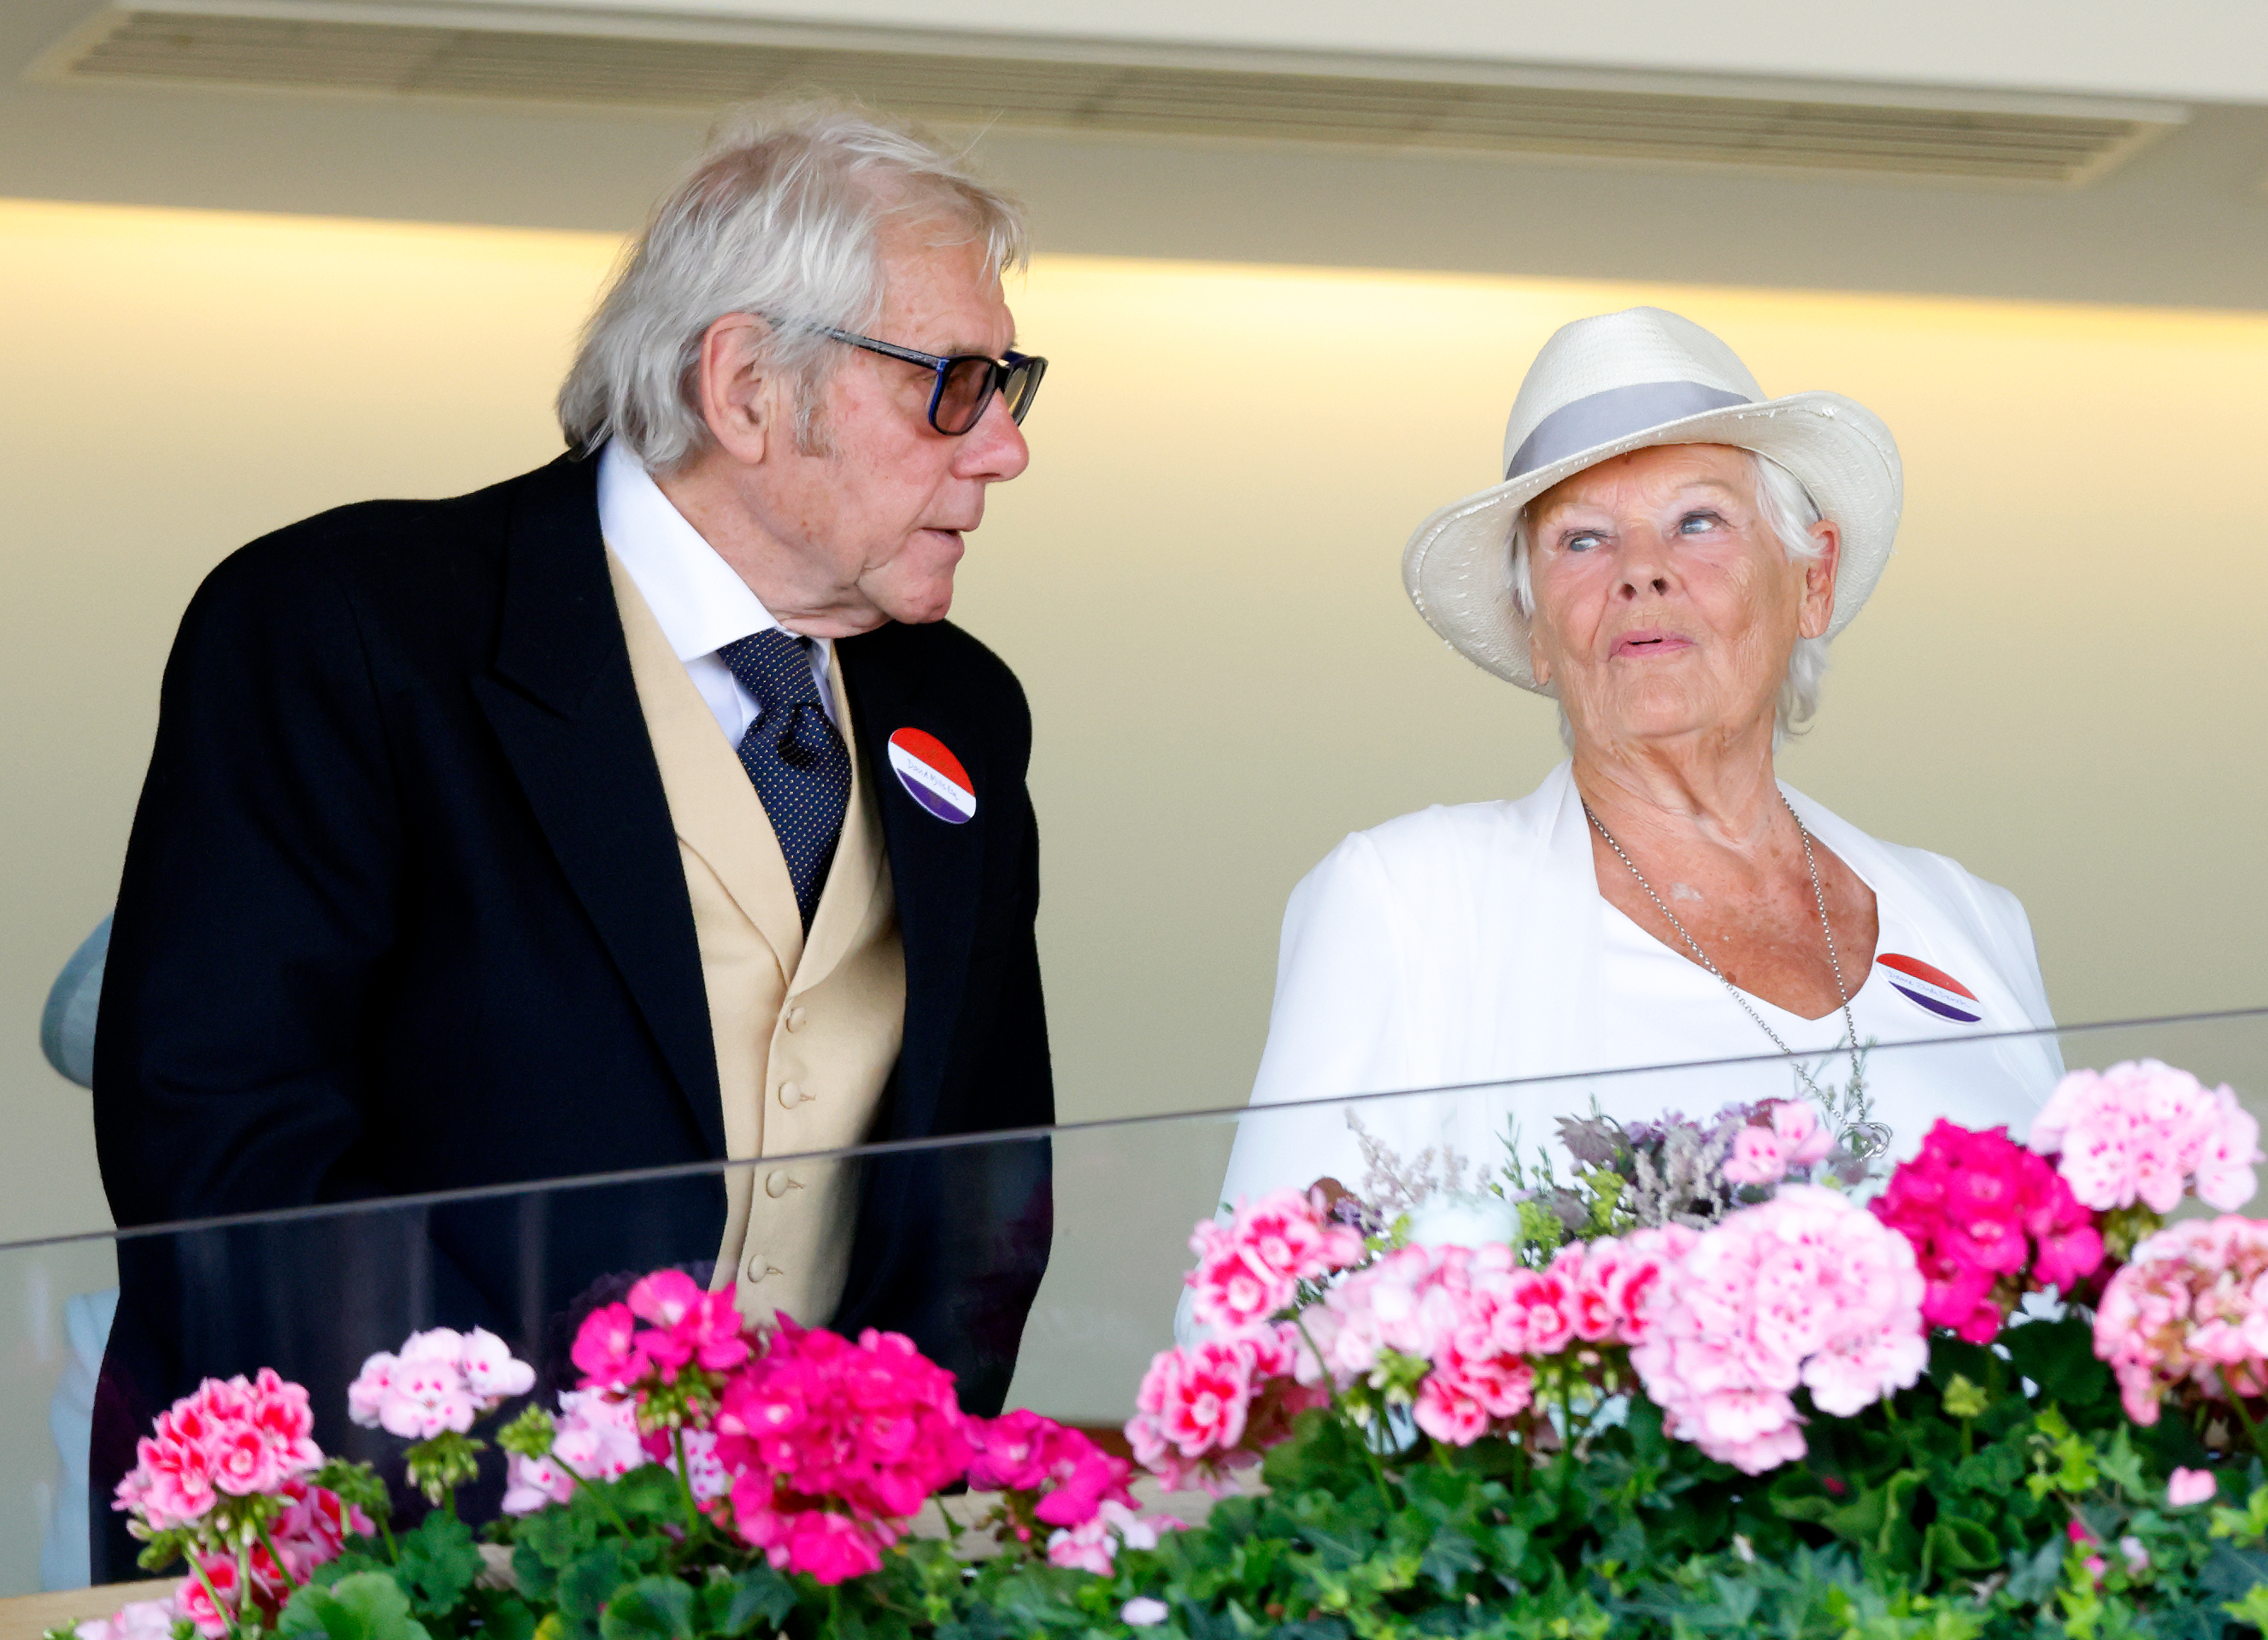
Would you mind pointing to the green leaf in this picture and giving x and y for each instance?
(649, 1493)
(652, 1608)
(2060, 1357)
(759, 1594)
(502, 1615)
(369, 1605)
(1953, 1545)
(438, 1564)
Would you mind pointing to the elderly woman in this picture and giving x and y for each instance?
(1668, 557)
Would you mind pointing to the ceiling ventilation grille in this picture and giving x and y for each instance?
(388, 58)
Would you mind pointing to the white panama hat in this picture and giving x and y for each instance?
(1621, 382)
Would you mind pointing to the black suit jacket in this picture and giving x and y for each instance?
(403, 911)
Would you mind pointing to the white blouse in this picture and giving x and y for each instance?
(1469, 948)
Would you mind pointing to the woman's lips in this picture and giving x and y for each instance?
(1645, 645)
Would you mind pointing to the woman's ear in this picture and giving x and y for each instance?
(1819, 579)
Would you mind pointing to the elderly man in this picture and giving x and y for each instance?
(639, 812)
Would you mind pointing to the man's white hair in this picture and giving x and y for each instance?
(781, 216)
(1788, 508)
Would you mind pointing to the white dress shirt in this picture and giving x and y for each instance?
(700, 601)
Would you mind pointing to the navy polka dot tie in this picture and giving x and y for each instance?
(794, 755)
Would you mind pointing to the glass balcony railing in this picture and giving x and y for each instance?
(1106, 1207)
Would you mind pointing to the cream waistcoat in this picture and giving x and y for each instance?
(806, 1031)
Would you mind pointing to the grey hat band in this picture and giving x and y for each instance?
(1601, 418)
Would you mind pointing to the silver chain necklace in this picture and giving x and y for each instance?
(1819, 897)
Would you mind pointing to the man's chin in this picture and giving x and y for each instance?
(917, 605)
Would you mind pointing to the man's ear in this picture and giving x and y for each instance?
(737, 394)
(1819, 579)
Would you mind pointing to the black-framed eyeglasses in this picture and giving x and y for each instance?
(966, 382)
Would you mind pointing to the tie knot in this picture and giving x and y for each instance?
(775, 667)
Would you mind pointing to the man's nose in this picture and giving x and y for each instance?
(993, 450)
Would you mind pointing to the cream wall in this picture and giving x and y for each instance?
(2057, 682)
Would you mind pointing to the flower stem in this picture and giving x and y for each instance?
(591, 1487)
(685, 1482)
(198, 1566)
(281, 1571)
(2251, 1428)
(1338, 1410)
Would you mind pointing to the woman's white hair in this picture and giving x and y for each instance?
(780, 217)
(1788, 508)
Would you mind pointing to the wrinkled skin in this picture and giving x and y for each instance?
(868, 525)
(1666, 612)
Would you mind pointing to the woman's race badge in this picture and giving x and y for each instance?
(933, 776)
(1932, 989)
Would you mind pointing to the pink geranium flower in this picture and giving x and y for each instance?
(1252, 1266)
(2185, 1486)
(232, 1438)
(2142, 1131)
(1805, 1290)
(2188, 1313)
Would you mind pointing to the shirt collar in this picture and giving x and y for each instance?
(699, 601)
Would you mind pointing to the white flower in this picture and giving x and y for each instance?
(1142, 1612)
(1447, 1220)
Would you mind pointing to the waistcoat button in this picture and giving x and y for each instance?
(792, 1094)
(796, 1017)
(778, 1182)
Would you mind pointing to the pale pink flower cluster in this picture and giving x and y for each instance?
(234, 1438)
(139, 1620)
(2187, 1487)
(1094, 1545)
(438, 1381)
(2142, 1131)
(594, 1439)
(1251, 1268)
(1782, 1133)
(1807, 1289)
(2190, 1307)
(1479, 1317)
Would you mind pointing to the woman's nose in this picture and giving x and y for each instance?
(1646, 566)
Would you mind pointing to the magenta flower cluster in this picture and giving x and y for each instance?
(832, 1444)
(1805, 1291)
(668, 1323)
(439, 1380)
(2188, 1311)
(2142, 1131)
(1074, 1485)
(1980, 1211)
(813, 1447)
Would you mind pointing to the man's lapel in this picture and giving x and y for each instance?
(936, 867)
(562, 704)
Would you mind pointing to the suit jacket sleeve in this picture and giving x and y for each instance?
(256, 911)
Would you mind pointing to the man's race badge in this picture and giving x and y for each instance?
(933, 776)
